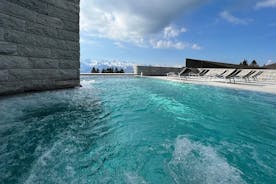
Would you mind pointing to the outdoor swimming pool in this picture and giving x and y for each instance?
(138, 130)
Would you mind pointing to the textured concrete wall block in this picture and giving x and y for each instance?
(45, 74)
(35, 40)
(61, 44)
(74, 1)
(44, 63)
(68, 45)
(70, 26)
(12, 62)
(63, 4)
(69, 64)
(4, 75)
(14, 36)
(63, 14)
(11, 88)
(68, 74)
(51, 8)
(32, 74)
(29, 15)
(10, 22)
(67, 83)
(17, 11)
(49, 21)
(65, 54)
(42, 30)
(29, 51)
(68, 35)
(34, 5)
(38, 85)
(39, 45)
(20, 74)
(1, 34)
(8, 48)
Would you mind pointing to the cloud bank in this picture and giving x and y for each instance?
(233, 19)
(167, 44)
(266, 4)
(135, 21)
(171, 32)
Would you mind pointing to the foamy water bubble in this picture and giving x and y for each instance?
(134, 178)
(87, 83)
(193, 162)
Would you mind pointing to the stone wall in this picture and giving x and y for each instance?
(39, 45)
(154, 70)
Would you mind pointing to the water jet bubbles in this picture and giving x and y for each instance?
(193, 162)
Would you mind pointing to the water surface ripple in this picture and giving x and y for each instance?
(138, 130)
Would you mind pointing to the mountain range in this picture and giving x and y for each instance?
(87, 64)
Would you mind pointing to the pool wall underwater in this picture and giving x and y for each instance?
(39, 45)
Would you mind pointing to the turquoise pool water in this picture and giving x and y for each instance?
(133, 130)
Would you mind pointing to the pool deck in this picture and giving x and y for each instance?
(259, 86)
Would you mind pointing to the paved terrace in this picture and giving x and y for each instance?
(266, 87)
(266, 82)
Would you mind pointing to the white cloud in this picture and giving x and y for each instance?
(196, 47)
(168, 44)
(87, 41)
(119, 44)
(270, 61)
(233, 19)
(172, 32)
(99, 23)
(133, 21)
(169, 40)
(266, 4)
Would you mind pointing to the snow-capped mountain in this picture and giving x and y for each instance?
(88, 64)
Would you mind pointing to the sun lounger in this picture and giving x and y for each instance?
(201, 74)
(233, 75)
(188, 72)
(184, 71)
(255, 77)
(246, 77)
(196, 74)
(221, 75)
(244, 74)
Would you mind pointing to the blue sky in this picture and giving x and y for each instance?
(156, 32)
